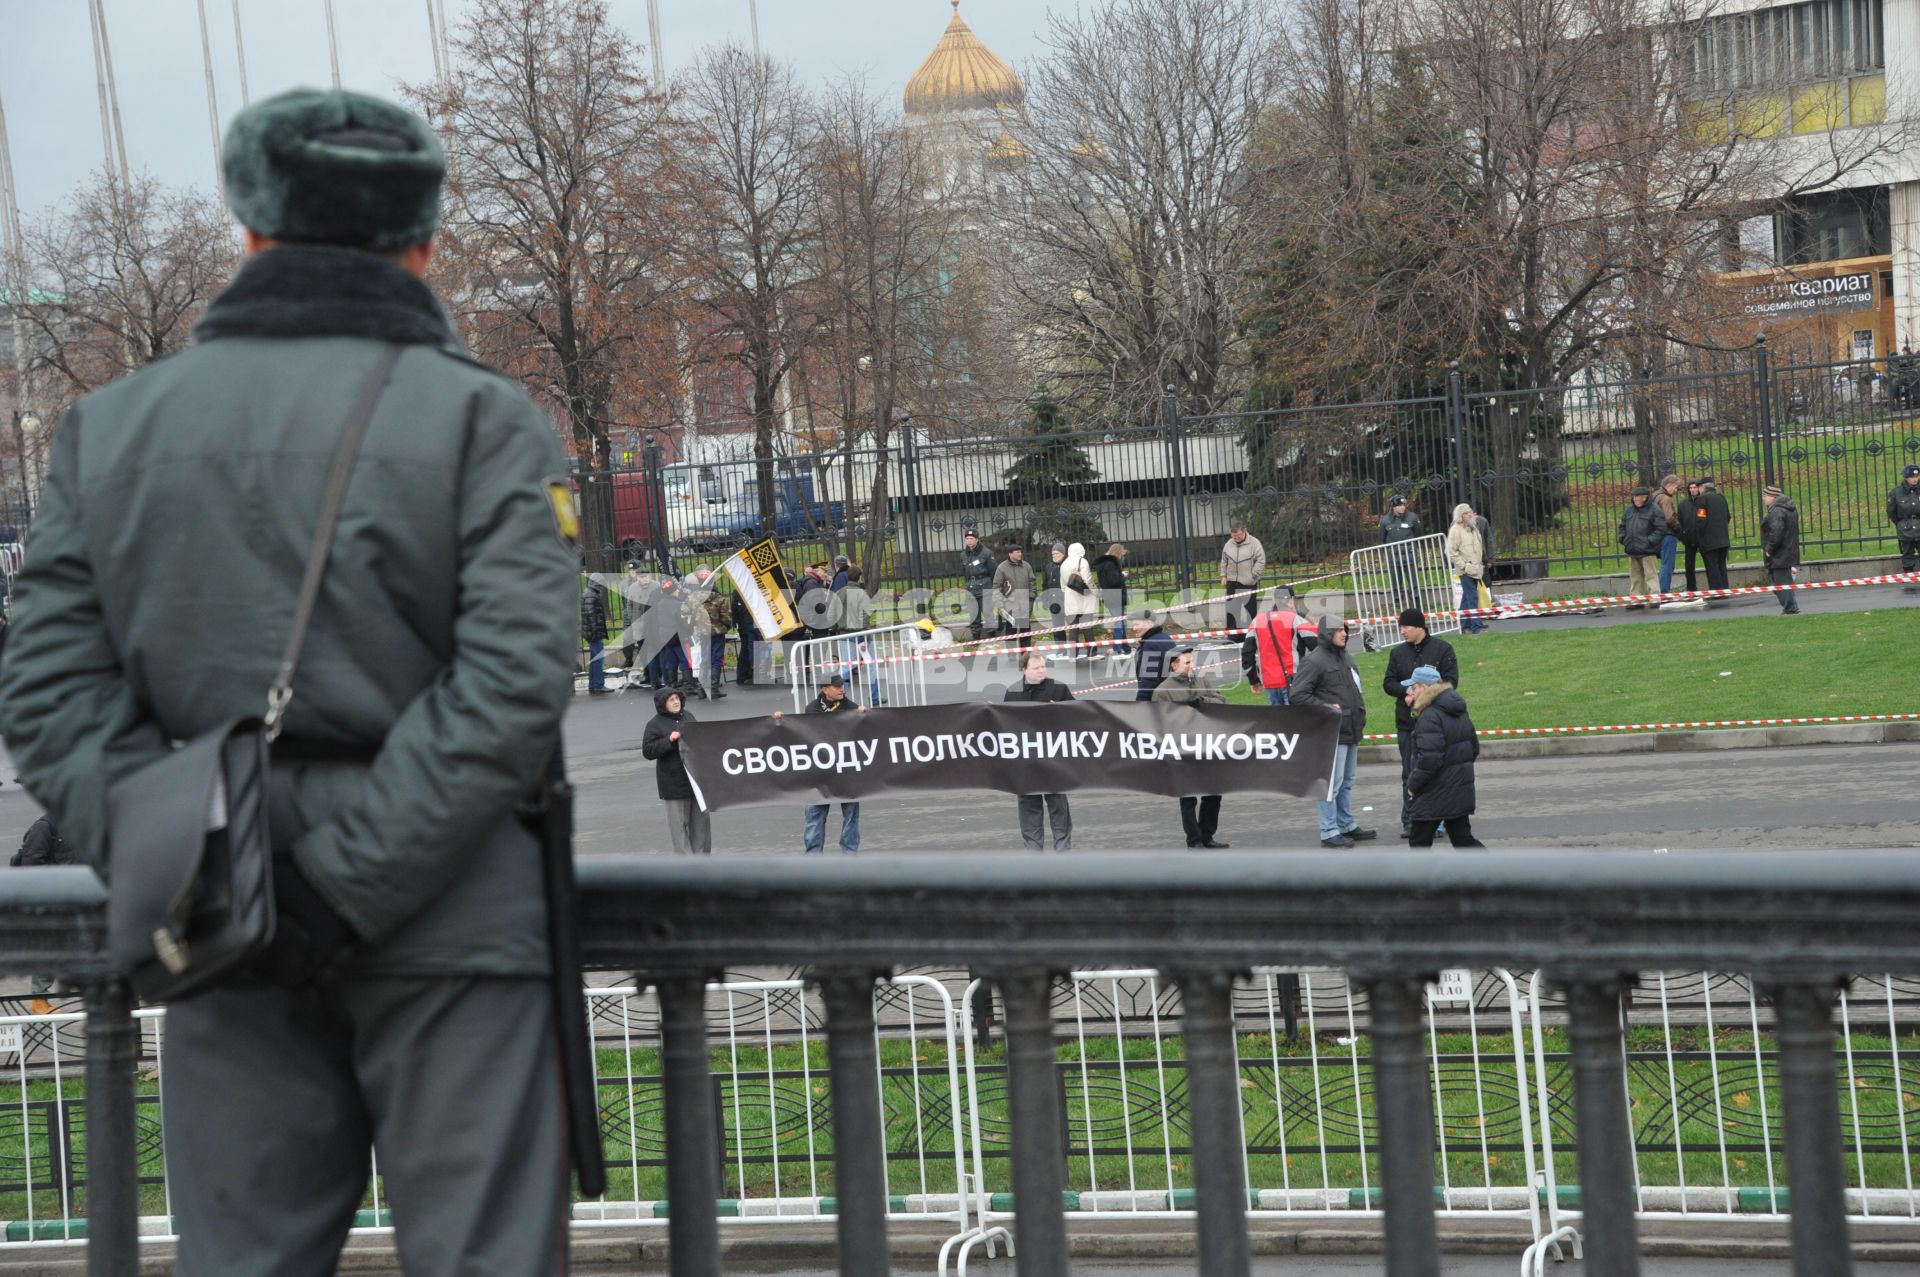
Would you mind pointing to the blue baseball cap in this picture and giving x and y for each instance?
(1423, 676)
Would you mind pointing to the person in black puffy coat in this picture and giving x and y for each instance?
(1440, 778)
(691, 827)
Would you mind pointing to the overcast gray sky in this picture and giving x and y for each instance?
(47, 80)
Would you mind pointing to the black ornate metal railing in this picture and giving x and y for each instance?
(1797, 923)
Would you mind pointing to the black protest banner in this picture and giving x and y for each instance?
(1137, 747)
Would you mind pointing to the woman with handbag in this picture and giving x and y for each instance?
(1467, 552)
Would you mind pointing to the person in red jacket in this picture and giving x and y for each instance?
(1278, 637)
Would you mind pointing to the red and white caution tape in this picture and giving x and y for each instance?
(1545, 607)
(1614, 729)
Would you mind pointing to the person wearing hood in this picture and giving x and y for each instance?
(690, 826)
(1110, 578)
(1643, 529)
(1467, 552)
(1903, 511)
(1199, 814)
(1079, 602)
(1326, 677)
(1440, 780)
(1780, 544)
(1037, 811)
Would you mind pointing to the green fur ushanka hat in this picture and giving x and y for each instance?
(334, 167)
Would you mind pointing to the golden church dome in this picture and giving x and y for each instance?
(962, 74)
(1006, 149)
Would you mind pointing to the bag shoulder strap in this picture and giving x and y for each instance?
(339, 475)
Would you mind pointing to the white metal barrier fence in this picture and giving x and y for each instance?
(774, 1127)
(869, 660)
(1389, 579)
(1702, 1079)
(1308, 1137)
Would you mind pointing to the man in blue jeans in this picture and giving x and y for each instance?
(1326, 677)
(833, 699)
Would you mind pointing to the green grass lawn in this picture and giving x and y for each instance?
(1760, 666)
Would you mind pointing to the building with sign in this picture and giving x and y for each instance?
(1843, 265)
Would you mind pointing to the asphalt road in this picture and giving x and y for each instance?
(1813, 796)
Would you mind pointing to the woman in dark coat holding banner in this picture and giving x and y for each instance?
(1038, 810)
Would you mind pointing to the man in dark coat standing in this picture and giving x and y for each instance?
(1713, 527)
(1642, 530)
(1038, 810)
(1152, 654)
(976, 570)
(437, 668)
(1418, 648)
(1439, 785)
(1780, 543)
(593, 632)
(1903, 512)
(1326, 677)
(688, 823)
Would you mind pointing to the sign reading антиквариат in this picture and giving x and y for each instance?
(1809, 296)
(1138, 747)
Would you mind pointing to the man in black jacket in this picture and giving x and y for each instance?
(1713, 524)
(1903, 511)
(976, 570)
(1039, 810)
(1780, 544)
(593, 632)
(1152, 654)
(1686, 525)
(687, 822)
(832, 699)
(1420, 648)
(1643, 529)
(1110, 578)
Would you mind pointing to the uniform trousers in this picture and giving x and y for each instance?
(275, 1098)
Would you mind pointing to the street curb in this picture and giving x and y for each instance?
(1678, 742)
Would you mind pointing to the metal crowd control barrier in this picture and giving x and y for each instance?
(868, 660)
(1703, 1064)
(1414, 1096)
(1388, 579)
(1307, 1137)
(774, 1129)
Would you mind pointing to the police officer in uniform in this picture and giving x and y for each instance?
(437, 667)
(977, 567)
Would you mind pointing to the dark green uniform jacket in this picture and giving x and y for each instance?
(160, 579)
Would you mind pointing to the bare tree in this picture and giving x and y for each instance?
(749, 186)
(1134, 222)
(116, 277)
(884, 229)
(1537, 182)
(556, 247)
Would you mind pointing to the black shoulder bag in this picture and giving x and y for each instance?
(191, 859)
